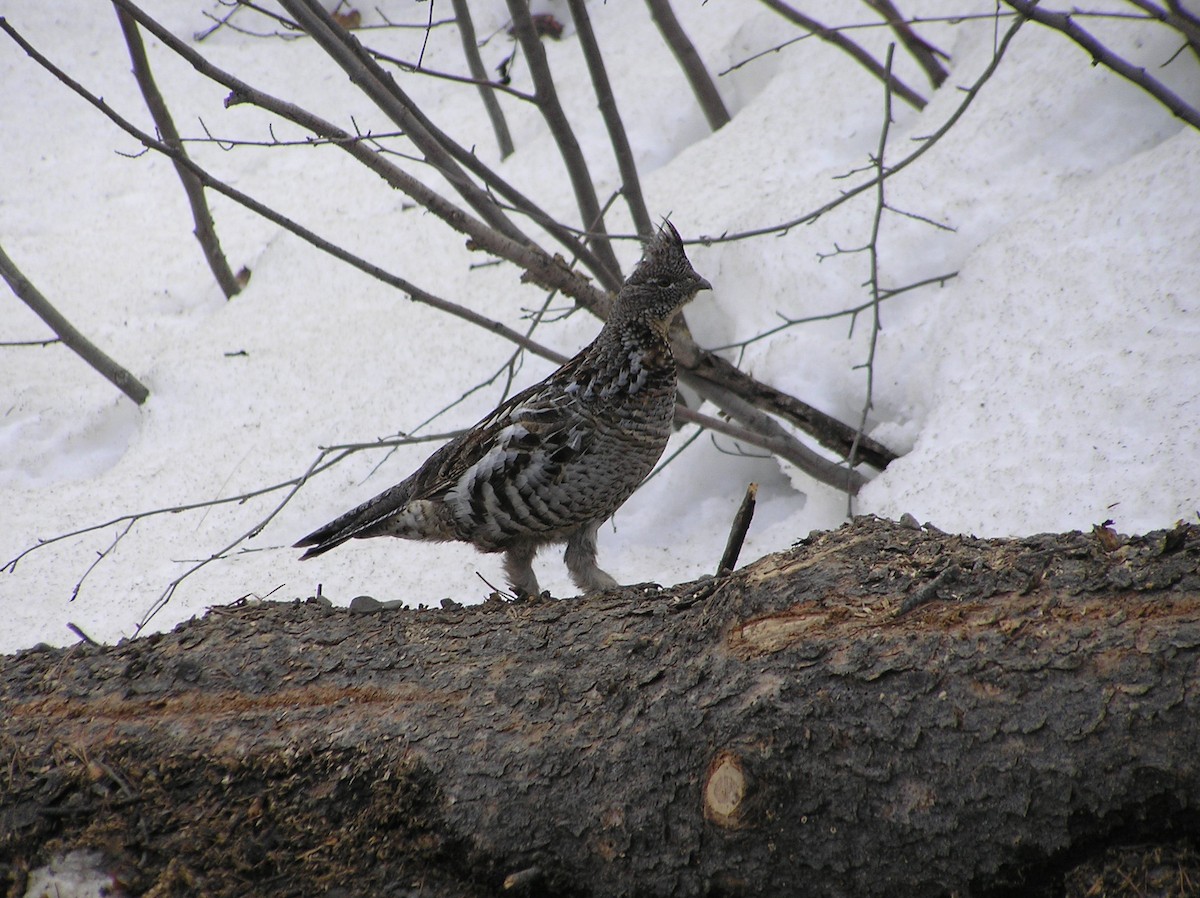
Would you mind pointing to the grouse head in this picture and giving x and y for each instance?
(664, 280)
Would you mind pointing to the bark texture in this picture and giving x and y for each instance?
(883, 710)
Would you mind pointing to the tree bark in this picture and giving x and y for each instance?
(883, 710)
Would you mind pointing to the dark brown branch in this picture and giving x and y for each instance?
(921, 50)
(546, 95)
(205, 232)
(689, 60)
(79, 344)
(1064, 23)
(839, 40)
(631, 187)
(740, 396)
(737, 531)
(466, 31)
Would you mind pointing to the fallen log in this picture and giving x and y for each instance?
(882, 710)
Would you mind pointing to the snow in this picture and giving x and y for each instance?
(1052, 384)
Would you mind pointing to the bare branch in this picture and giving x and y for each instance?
(631, 185)
(541, 267)
(1064, 22)
(466, 30)
(927, 143)
(80, 345)
(206, 233)
(440, 150)
(546, 95)
(763, 431)
(689, 60)
(1177, 17)
(921, 50)
(15, 343)
(1191, 26)
(842, 42)
(995, 16)
(344, 49)
(321, 464)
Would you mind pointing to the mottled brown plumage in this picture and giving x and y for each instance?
(555, 461)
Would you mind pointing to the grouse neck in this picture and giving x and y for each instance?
(628, 316)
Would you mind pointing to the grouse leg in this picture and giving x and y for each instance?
(518, 567)
(581, 560)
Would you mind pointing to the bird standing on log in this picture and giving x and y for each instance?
(555, 461)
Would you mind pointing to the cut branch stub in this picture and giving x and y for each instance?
(724, 790)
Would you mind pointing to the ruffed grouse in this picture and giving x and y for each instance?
(552, 463)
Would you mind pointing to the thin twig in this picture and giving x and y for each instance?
(339, 453)
(993, 16)
(100, 556)
(174, 585)
(77, 342)
(873, 255)
(483, 82)
(14, 343)
(206, 233)
(229, 143)
(852, 312)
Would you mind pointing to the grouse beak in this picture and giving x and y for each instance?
(702, 284)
